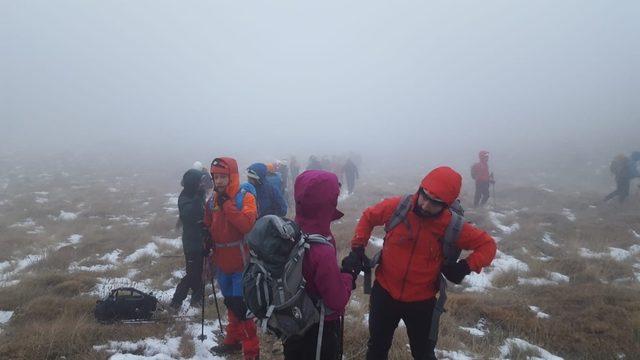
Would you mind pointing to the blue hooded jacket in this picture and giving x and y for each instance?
(269, 198)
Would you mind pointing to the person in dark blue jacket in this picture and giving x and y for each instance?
(191, 206)
(269, 198)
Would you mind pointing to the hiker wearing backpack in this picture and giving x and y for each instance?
(269, 198)
(480, 173)
(191, 207)
(351, 173)
(622, 169)
(228, 219)
(412, 259)
(316, 194)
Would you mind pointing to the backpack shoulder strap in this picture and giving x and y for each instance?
(399, 214)
(451, 234)
(317, 239)
(244, 189)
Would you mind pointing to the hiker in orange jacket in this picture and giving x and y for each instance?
(480, 173)
(227, 224)
(412, 260)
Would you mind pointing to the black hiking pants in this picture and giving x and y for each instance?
(304, 348)
(384, 314)
(622, 189)
(192, 280)
(482, 193)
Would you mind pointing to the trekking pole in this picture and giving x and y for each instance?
(341, 343)
(202, 335)
(493, 188)
(215, 300)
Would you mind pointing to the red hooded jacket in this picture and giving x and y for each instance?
(480, 170)
(229, 224)
(412, 258)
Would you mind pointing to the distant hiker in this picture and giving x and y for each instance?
(314, 163)
(351, 173)
(480, 173)
(412, 258)
(294, 168)
(621, 169)
(316, 195)
(191, 207)
(228, 223)
(269, 198)
(282, 170)
(634, 172)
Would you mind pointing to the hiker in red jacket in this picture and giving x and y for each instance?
(412, 260)
(227, 223)
(480, 173)
(316, 195)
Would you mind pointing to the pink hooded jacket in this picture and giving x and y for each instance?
(316, 195)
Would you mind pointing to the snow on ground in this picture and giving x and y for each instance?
(26, 223)
(480, 329)
(74, 267)
(111, 257)
(569, 214)
(344, 195)
(539, 314)
(635, 233)
(614, 253)
(546, 238)
(176, 243)
(151, 249)
(154, 348)
(505, 349)
(5, 316)
(41, 200)
(71, 240)
(496, 218)
(67, 216)
(634, 249)
(7, 279)
(128, 220)
(502, 263)
(171, 206)
(453, 355)
(554, 279)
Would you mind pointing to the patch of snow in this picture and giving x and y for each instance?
(535, 281)
(453, 355)
(635, 233)
(151, 249)
(569, 214)
(26, 223)
(502, 263)
(41, 200)
(132, 273)
(619, 254)
(112, 190)
(5, 316)
(179, 274)
(546, 238)
(41, 193)
(544, 258)
(480, 329)
(27, 261)
(74, 267)
(539, 314)
(74, 239)
(586, 253)
(67, 216)
(111, 257)
(344, 195)
(166, 348)
(634, 249)
(505, 349)
(557, 277)
(202, 347)
(544, 188)
(496, 218)
(176, 243)
(4, 265)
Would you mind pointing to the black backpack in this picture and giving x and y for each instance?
(125, 303)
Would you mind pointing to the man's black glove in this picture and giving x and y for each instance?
(353, 263)
(221, 199)
(456, 272)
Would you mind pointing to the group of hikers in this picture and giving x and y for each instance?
(421, 229)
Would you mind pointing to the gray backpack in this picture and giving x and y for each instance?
(273, 286)
(449, 248)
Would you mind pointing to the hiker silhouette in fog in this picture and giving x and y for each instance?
(484, 179)
(412, 259)
(269, 198)
(314, 163)
(316, 196)
(191, 208)
(228, 218)
(351, 173)
(623, 170)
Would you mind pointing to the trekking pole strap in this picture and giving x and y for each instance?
(320, 331)
(438, 310)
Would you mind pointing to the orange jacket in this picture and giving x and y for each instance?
(412, 258)
(229, 224)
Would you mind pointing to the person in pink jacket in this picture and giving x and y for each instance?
(316, 196)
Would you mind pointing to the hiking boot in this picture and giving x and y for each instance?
(226, 349)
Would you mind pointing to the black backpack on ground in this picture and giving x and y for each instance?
(125, 303)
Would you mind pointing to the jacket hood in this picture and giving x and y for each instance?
(444, 183)
(191, 181)
(316, 194)
(259, 169)
(229, 166)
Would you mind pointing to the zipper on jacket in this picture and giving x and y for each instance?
(413, 250)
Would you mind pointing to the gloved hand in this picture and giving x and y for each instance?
(352, 264)
(456, 272)
(221, 199)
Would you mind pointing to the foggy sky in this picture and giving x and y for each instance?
(384, 78)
